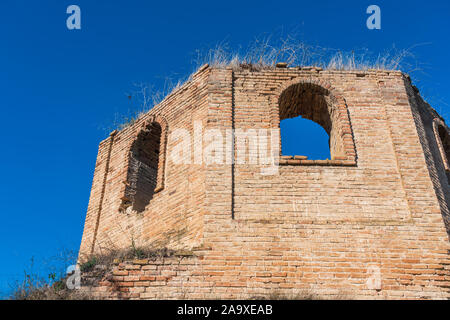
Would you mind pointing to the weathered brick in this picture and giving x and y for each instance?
(378, 209)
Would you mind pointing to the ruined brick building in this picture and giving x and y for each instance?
(371, 222)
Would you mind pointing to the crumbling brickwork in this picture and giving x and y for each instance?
(371, 222)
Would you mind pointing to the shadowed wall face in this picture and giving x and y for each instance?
(445, 145)
(143, 167)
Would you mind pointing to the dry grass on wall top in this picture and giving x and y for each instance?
(265, 52)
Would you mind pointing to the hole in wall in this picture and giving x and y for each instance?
(444, 136)
(143, 167)
(304, 137)
(309, 123)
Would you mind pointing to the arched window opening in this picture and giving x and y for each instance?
(143, 168)
(304, 137)
(312, 102)
(444, 146)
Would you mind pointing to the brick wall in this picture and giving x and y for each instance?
(370, 222)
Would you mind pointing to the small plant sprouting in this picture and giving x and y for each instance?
(89, 265)
(137, 252)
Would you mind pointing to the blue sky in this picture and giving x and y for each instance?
(61, 89)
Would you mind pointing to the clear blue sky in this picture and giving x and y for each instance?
(60, 89)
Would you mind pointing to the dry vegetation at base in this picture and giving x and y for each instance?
(99, 267)
(102, 263)
(56, 291)
(93, 270)
(53, 287)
